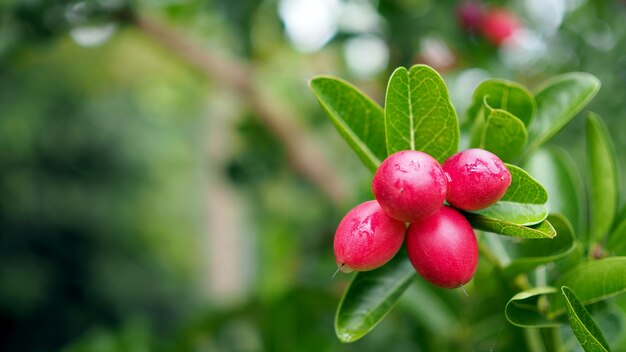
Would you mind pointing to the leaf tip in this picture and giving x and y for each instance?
(317, 79)
(346, 336)
(399, 69)
(595, 81)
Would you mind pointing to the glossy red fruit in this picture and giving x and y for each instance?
(498, 25)
(410, 185)
(476, 179)
(443, 248)
(367, 238)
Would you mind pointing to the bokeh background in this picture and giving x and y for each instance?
(169, 183)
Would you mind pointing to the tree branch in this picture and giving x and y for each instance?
(302, 151)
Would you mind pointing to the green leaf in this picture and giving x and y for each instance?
(617, 239)
(505, 95)
(559, 99)
(538, 231)
(583, 326)
(603, 178)
(524, 203)
(527, 308)
(370, 296)
(531, 254)
(503, 134)
(557, 172)
(592, 281)
(419, 114)
(359, 120)
(572, 260)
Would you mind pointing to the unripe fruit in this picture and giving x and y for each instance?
(410, 185)
(476, 179)
(498, 25)
(367, 238)
(443, 248)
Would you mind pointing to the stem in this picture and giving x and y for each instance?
(541, 276)
(553, 339)
(533, 340)
(303, 152)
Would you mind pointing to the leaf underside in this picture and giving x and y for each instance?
(603, 178)
(531, 254)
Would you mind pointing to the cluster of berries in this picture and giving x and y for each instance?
(411, 187)
(494, 24)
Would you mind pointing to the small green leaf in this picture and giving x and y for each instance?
(559, 99)
(503, 134)
(527, 308)
(419, 114)
(583, 326)
(592, 281)
(505, 95)
(359, 120)
(370, 296)
(538, 231)
(531, 254)
(557, 172)
(603, 178)
(524, 203)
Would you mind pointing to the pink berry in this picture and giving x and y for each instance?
(410, 185)
(476, 179)
(367, 238)
(498, 25)
(443, 248)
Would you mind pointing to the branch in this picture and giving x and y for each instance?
(302, 152)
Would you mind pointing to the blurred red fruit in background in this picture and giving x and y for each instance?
(469, 15)
(498, 25)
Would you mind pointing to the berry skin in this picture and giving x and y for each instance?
(443, 248)
(367, 238)
(410, 185)
(498, 25)
(476, 179)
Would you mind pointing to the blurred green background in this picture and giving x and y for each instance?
(168, 182)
